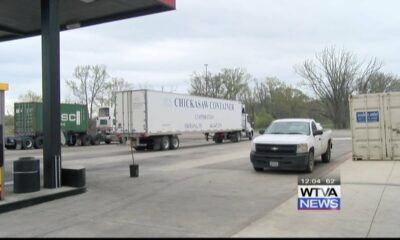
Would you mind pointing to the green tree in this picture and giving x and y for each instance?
(8, 125)
(262, 120)
(280, 100)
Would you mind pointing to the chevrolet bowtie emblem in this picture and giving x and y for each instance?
(274, 148)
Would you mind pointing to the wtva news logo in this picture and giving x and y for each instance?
(319, 193)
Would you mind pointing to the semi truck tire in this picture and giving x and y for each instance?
(174, 142)
(71, 141)
(165, 143)
(8, 147)
(85, 140)
(156, 145)
(96, 140)
(123, 140)
(39, 142)
(107, 141)
(27, 143)
(235, 137)
(238, 136)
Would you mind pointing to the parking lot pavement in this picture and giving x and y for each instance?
(204, 190)
(370, 193)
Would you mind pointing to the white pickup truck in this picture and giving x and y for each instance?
(291, 144)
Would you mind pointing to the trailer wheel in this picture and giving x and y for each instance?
(165, 144)
(85, 140)
(238, 136)
(174, 142)
(235, 137)
(71, 140)
(140, 148)
(156, 144)
(123, 140)
(8, 147)
(27, 143)
(96, 140)
(39, 142)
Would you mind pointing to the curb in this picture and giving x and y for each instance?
(40, 199)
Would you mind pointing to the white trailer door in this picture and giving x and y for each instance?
(368, 121)
(131, 111)
(392, 117)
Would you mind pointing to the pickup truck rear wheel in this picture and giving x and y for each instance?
(326, 157)
(310, 163)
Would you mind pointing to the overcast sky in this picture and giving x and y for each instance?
(265, 37)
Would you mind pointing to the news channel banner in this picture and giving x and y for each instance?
(319, 193)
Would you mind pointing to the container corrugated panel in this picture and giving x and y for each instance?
(29, 118)
(392, 117)
(74, 117)
(374, 121)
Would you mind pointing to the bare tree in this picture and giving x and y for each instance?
(89, 84)
(235, 81)
(30, 96)
(333, 79)
(228, 84)
(368, 75)
(379, 82)
(110, 88)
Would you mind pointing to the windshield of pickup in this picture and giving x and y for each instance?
(301, 128)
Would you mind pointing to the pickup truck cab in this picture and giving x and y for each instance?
(291, 144)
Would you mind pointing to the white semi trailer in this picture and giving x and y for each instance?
(154, 120)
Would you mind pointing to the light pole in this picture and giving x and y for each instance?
(206, 79)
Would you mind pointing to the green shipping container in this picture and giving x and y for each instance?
(29, 118)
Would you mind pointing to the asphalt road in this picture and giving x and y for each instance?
(199, 190)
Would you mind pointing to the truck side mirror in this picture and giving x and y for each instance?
(318, 132)
(262, 131)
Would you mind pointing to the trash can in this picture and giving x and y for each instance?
(26, 175)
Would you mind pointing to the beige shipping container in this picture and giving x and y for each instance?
(375, 126)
